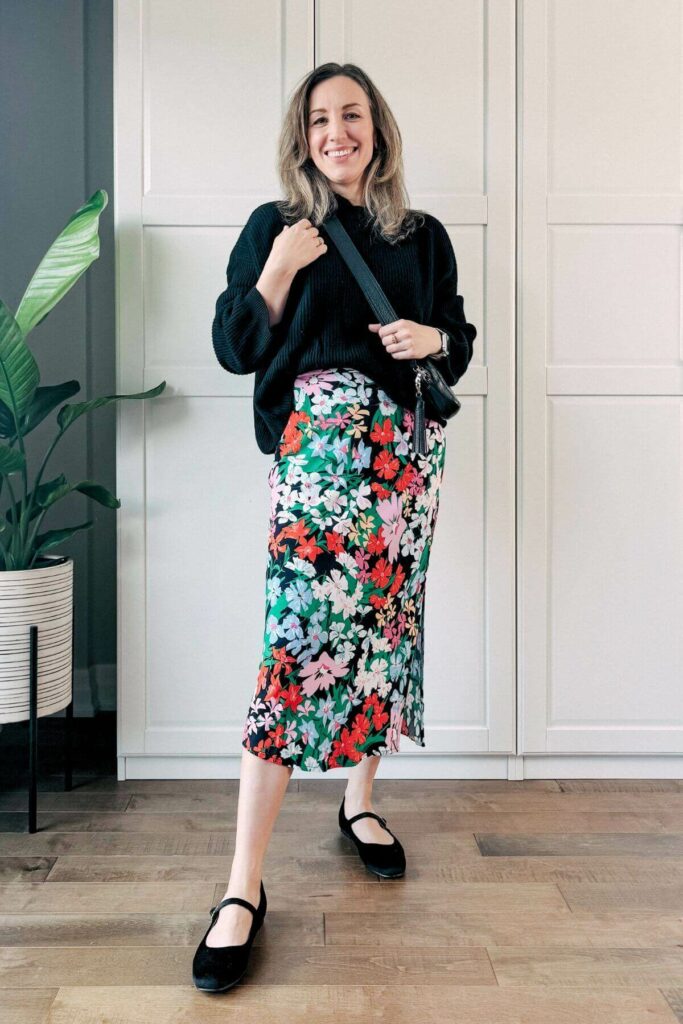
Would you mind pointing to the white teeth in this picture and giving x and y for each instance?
(340, 152)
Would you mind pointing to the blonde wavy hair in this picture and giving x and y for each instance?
(307, 190)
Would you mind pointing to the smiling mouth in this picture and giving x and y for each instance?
(353, 149)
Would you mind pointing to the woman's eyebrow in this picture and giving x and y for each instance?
(322, 110)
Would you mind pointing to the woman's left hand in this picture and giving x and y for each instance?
(405, 339)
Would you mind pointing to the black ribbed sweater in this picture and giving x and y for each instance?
(326, 316)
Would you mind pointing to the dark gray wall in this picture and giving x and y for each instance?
(56, 127)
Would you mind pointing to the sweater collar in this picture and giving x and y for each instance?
(346, 204)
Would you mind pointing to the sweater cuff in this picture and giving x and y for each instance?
(251, 334)
(455, 365)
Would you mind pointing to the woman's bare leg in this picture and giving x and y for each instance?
(358, 797)
(262, 788)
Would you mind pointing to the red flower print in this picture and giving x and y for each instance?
(377, 600)
(309, 549)
(275, 547)
(274, 691)
(398, 580)
(334, 541)
(261, 748)
(376, 542)
(406, 478)
(381, 574)
(291, 439)
(281, 656)
(278, 735)
(370, 701)
(386, 465)
(379, 489)
(347, 745)
(379, 718)
(360, 727)
(297, 530)
(383, 434)
(291, 697)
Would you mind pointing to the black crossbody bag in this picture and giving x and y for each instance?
(432, 393)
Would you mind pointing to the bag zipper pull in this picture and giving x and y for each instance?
(419, 427)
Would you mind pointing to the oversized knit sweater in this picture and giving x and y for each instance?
(326, 316)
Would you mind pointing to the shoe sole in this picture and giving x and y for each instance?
(374, 871)
(225, 988)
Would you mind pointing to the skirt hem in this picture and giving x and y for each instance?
(319, 768)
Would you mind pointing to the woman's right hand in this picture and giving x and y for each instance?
(296, 246)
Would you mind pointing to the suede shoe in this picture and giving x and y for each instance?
(388, 860)
(218, 968)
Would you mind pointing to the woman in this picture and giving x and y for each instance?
(353, 506)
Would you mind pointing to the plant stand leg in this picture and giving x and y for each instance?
(69, 712)
(33, 727)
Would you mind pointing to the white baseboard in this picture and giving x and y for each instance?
(427, 766)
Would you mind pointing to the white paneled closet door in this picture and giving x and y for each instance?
(601, 509)
(200, 91)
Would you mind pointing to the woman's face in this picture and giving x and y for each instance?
(339, 119)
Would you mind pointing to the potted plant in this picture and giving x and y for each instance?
(36, 588)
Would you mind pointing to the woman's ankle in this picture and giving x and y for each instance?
(357, 800)
(244, 880)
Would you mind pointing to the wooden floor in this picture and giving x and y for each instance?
(550, 901)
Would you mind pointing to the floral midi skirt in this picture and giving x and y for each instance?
(353, 511)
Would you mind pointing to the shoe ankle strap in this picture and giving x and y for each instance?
(233, 899)
(367, 814)
(241, 902)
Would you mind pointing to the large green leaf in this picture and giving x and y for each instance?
(69, 256)
(98, 493)
(51, 538)
(11, 461)
(44, 400)
(54, 490)
(68, 413)
(6, 421)
(19, 374)
(45, 495)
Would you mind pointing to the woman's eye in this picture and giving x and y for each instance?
(350, 114)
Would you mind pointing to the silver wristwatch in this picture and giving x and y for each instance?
(445, 344)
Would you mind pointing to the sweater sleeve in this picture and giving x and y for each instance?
(448, 312)
(241, 332)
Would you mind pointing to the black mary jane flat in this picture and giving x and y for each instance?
(218, 968)
(388, 860)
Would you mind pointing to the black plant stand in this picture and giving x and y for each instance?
(33, 722)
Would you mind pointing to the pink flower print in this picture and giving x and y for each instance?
(321, 673)
(393, 634)
(315, 382)
(338, 419)
(393, 734)
(362, 559)
(393, 523)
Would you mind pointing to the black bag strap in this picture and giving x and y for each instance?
(371, 287)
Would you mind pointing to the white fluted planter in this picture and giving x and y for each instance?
(41, 597)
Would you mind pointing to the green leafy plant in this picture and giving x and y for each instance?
(24, 404)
